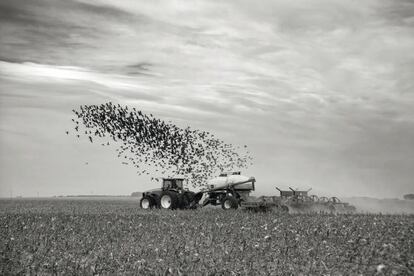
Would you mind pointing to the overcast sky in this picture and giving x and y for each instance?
(320, 91)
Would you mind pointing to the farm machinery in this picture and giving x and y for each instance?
(231, 191)
(297, 201)
(227, 190)
(171, 195)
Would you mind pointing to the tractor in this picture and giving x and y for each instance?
(172, 195)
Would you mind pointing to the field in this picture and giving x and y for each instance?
(107, 236)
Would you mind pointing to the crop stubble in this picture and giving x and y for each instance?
(114, 236)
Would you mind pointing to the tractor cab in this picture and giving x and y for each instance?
(172, 184)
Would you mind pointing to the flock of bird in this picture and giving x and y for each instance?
(145, 141)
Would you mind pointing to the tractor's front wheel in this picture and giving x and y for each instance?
(169, 200)
(146, 203)
(229, 202)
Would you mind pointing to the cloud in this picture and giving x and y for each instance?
(51, 32)
(39, 72)
(304, 82)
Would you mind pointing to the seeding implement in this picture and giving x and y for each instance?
(228, 190)
(296, 201)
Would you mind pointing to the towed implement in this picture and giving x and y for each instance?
(228, 190)
(296, 201)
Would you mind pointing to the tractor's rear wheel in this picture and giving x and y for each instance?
(229, 202)
(146, 203)
(169, 200)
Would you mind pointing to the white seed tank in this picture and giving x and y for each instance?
(235, 180)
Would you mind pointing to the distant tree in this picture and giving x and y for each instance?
(136, 194)
(409, 197)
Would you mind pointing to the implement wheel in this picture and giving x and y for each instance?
(284, 209)
(229, 202)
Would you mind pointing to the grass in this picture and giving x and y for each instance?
(65, 236)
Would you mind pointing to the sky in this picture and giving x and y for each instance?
(320, 91)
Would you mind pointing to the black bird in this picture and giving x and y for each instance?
(146, 140)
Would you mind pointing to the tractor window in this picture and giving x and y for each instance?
(167, 184)
(179, 183)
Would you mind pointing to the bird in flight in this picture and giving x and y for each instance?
(147, 141)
